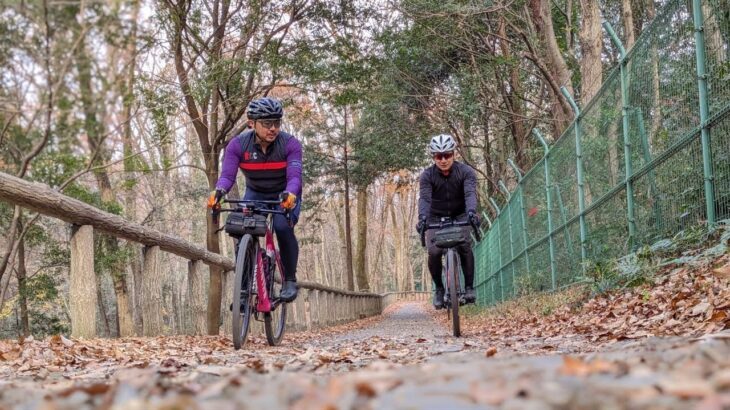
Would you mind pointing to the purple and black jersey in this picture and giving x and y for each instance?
(277, 170)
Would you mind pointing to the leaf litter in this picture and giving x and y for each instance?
(666, 345)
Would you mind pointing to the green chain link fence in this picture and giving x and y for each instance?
(646, 158)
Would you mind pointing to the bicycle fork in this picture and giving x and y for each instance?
(263, 304)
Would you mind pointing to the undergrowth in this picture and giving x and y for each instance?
(640, 267)
(630, 271)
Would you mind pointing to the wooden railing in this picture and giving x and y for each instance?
(411, 296)
(317, 305)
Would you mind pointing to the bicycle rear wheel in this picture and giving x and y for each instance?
(452, 270)
(243, 289)
(275, 321)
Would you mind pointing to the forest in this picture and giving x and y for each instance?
(128, 105)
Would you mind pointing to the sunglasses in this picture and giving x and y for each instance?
(268, 124)
(443, 155)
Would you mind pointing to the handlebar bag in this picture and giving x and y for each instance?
(238, 224)
(449, 237)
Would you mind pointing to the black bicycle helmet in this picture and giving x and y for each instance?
(264, 109)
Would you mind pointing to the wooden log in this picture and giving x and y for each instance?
(196, 298)
(82, 283)
(151, 296)
(41, 198)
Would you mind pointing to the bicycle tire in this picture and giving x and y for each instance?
(275, 321)
(245, 262)
(452, 269)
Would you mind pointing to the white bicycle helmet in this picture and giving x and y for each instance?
(442, 143)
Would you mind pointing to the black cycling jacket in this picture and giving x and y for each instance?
(447, 195)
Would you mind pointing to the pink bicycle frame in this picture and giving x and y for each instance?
(264, 302)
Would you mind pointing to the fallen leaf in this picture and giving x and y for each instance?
(491, 351)
(573, 366)
(687, 389)
(701, 308)
(722, 272)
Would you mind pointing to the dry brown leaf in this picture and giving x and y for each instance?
(722, 272)
(491, 351)
(573, 366)
(687, 388)
(701, 308)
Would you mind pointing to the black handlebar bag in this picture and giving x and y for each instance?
(238, 224)
(449, 237)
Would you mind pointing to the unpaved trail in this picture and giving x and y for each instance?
(404, 359)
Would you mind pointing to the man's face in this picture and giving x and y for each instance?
(266, 130)
(444, 160)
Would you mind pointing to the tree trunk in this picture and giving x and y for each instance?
(656, 119)
(130, 321)
(512, 96)
(348, 230)
(396, 274)
(628, 20)
(543, 24)
(10, 247)
(362, 228)
(22, 289)
(591, 68)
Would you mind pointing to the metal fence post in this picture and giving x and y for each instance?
(704, 112)
(579, 172)
(499, 246)
(511, 236)
(545, 147)
(487, 239)
(521, 198)
(627, 140)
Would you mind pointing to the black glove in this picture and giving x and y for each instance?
(421, 224)
(474, 218)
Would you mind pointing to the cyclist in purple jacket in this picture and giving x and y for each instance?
(271, 161)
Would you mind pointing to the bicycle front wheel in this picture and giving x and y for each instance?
(242, 290)
(275, 321)
(452, 270)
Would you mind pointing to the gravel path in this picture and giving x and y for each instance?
(404, 321)
(404, 359)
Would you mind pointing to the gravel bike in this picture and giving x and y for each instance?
(258, 275)
(448, 237)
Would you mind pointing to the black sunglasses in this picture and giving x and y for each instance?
(443, 155)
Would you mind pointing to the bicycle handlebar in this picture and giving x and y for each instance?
(445, 224)
(253, 206)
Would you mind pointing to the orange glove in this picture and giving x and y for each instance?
(214, 200)
(288, 200)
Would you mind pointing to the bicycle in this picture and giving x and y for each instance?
(258, 273)
(449, 236)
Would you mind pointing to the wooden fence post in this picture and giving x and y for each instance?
(314, 311)
(151, 296)
(82, 286)
(196, 298)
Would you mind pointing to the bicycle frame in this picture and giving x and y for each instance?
(264, 304)
(459, 290)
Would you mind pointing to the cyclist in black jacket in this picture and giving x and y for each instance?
(448, 188)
